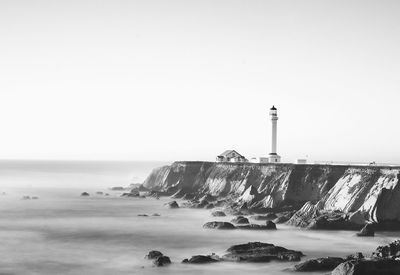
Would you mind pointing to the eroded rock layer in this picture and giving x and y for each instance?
(371, 191)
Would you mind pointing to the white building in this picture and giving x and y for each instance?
(273, 156)
(259, 160)
(231, 156)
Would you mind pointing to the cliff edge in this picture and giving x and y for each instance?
(371, 191)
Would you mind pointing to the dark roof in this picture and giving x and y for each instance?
(227, 152)
(273, 108)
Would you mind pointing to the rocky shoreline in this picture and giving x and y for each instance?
(314, 197)
(333, 197)
(384, 260)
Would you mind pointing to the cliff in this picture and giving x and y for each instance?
(373, 191)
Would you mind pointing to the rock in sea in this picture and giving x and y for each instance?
(355, 256)
(172, 204)
(158, 258)
(385, 260)
(85, 194)
(240, 220)
(130, 195)
(153, 254)
(266, 217)
(320, 264)
(368, 267)
(161, 261)
(332, 221)
(200, 259)
(218, 225)
(367, 231)
(391, 250)
(259, 217)
(261, 252)
(269, 226)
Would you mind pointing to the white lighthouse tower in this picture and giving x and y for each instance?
(273, 156)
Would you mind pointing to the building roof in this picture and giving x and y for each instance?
(273, 108)
(227, 152)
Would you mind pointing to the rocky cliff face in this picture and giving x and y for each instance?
(372, 191)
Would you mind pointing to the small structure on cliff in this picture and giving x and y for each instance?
(259, 160)
(231, 156)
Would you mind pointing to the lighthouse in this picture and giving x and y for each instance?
(273, 156)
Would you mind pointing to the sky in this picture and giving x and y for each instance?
(186, 80)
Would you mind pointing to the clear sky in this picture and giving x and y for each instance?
(185, 80)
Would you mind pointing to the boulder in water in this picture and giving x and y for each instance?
(367, 231)
(201, 259)
(218, 225)
(172, 204)
(84, 194)
(162, 261)
(153, 254)
(130, 195)
(240, 220)
(261, 252)
(270, 216)
(368, 267)
(257, 226)
(320, 264)
(355, 256)
(391, 250)
(266, 217)
(332, 221)
(270, 225)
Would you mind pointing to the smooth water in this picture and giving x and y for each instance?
(63, 233)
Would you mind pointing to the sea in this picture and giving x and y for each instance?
(62, 232)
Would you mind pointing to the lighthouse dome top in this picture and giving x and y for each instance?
(273, 112)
